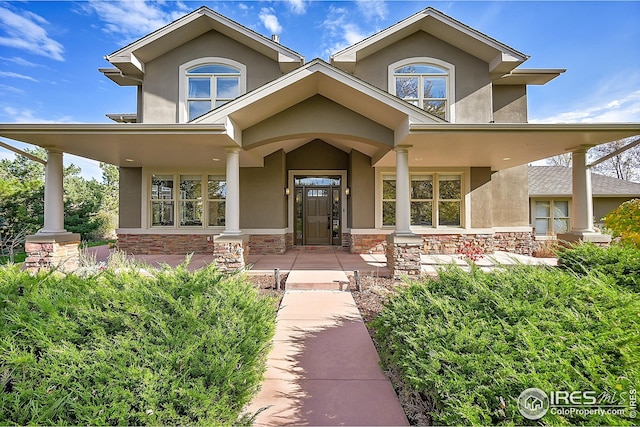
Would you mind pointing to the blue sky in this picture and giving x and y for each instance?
(50, 51)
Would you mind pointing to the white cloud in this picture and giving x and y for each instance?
(623, 110)
(270, 20)
(242, 6)
(373, 9)
(24, 30)
(134, 18)
(297, 6)
(10, 89)
(20, 61)
(16, 76)
(25, 115)
(340, 30)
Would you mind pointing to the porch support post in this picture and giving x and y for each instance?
(53, 194)
(53, 246)
(403, 191)
(232, 202)
(582, 228)
(403, 247)
(231, 247)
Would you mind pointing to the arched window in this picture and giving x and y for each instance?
(209, 83)
(424, 82)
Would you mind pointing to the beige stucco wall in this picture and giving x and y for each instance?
(317, 116)
(130, 197)
(481, 197)
(510, 104)
(317, 154)
(160, 87)
(472, 80)
(262, 200)
(603, 205)
(510, 197)
(361, 181)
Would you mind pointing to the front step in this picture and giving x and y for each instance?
(317, 280)
(320, 248)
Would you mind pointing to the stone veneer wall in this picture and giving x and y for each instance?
(231, 255)
(403, 258)
(367, 243)
(518, 242)
(62, 255)
(268, 244)
(165, 244)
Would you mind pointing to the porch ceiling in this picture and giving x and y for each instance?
(502, 146)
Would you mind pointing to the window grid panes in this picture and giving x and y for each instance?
(187, 200)
(551, 217)
(426, 201)
(210, 86)
(423, 85)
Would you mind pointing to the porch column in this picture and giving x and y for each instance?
(53, 194)
(403, 247)
(53, 246)
(403, 191)
(582, 198)
(582, 228)
(232, 202)
(231, 247)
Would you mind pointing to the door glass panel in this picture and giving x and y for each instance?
(298, 212)
(335, 217)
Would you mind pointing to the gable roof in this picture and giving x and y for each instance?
(130, 60)
(501, 58)
(554, 181)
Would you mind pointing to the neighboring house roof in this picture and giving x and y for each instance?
(555, 181)
(130, 60)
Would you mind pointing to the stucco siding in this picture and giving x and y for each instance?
(510, 104)
(160, 87)
(510, 197)
(317, 116)
(361, 201)
(481, 197)
(262, 200)
(603, 205)
(319, 155)
(130, 197)
(472, 80)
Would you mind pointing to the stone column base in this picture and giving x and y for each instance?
(230, 252)
(403, 254)
(585, 236)
(45, 251)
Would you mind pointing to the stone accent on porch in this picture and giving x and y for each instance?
(54, 251)
(521, 243)
(270, 244)
(367, 243)
(403, 255)
(230, 252)
(165, 244)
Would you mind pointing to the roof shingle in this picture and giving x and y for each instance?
(556, 181)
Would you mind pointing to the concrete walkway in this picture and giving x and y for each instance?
(323, 368)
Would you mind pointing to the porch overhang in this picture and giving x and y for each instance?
(192, 146)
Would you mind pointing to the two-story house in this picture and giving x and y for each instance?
(414, 140)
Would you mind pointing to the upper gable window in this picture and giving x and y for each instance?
(208, 83)
(424, 82)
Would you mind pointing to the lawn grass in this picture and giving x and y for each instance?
(470, 343)
(130, 348)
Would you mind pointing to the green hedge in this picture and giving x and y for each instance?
(467, 341)
(130, 348)
(622, 262)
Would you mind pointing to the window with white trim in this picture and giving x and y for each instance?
(432, 196)
(426, 83)
(200, 200)
(551, 217)
(207, 83)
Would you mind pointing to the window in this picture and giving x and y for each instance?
(200, 200)
(432, 196)
(207, 83)
(551, 217)
(424, 82)
(211, 86)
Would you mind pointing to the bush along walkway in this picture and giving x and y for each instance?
(121, 347)
(323, 369)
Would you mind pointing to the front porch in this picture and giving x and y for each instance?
(322, 268)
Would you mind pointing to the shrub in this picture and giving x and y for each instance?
(624, 222)
(470, 343)
(168, 348)
(620, 262)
